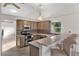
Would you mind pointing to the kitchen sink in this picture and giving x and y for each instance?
(36, 37)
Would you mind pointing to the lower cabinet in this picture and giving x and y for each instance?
(34, 51)
(20, 41)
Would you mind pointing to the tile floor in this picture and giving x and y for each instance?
(9, 47)
(17, 52)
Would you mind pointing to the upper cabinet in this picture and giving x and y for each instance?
(43, 27)
(28, 23)
(20, 24)
(40, 27)
(34, 25)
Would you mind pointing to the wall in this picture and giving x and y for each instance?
(70, 23)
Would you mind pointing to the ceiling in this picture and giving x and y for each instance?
(48, 10)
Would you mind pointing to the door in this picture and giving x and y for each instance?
(8, 38)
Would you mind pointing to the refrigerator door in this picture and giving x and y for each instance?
(1, 37)
(0, 40)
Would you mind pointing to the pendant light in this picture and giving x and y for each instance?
(40, 17)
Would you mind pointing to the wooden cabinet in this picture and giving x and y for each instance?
(38, 25)
(35, 26)
(20, 41)
(19, 24)
(34, 51)
(43, 26)
(25, 22)
(28, 23)
(47, 25)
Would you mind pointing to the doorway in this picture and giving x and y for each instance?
(8, 41)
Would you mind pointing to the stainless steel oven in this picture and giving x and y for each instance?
(26, 31)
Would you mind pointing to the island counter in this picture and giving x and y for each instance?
(41, 47)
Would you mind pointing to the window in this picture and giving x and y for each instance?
(57, 26)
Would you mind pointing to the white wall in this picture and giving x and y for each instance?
(70, 23)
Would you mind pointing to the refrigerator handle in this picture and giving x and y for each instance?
(2, 32)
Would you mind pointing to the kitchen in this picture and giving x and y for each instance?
(39, 28)
(36, 33)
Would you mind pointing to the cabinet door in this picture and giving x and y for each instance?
(35, 25)
(25, 22)
(19, 24)
(39, 25)
(34, 51)
(28, 23)
(46, 25)
(17, 42)
(20, 41)
(42, 25)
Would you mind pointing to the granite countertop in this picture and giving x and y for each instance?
(44, 41)
(48, 40)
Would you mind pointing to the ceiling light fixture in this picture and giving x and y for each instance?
(40, 17)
